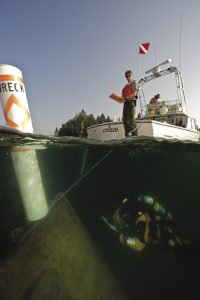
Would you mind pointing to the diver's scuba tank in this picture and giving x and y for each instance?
(157, 208)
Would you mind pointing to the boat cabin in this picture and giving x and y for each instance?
(173, 112)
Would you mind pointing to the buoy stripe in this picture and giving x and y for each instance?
(20, 149)
(11, 78)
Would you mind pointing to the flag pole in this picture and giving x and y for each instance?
(139, 67)
(156, 56)
(143, 49)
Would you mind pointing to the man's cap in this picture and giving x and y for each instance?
(157, 96)
(128, 72)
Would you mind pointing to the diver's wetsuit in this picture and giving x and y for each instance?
(138, 227)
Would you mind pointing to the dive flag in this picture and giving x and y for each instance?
(143, 49)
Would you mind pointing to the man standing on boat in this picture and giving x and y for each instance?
(129, 94)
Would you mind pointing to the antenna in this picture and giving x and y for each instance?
(156, 55)
(180, 35)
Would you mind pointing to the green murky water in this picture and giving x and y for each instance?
(95, 177)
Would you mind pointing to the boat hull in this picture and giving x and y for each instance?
(156, 129)
(149, 128)
(106, 131)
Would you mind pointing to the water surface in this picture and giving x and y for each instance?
(95, 177)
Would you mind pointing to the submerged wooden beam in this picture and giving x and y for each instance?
(56, 259)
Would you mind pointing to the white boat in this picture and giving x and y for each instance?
(167, 119)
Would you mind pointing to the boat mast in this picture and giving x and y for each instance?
(156, 72)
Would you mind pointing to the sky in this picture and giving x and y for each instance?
(73, 53)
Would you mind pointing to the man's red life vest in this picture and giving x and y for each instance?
(127, 90)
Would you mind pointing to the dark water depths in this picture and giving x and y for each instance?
(95, 177)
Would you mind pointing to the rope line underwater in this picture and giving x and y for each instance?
(60, 195)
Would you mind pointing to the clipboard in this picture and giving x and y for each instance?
(117, 98)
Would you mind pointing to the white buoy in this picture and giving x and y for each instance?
(25, 161)
(13, 99)
(29, 179)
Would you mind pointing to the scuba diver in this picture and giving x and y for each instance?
(145, 222)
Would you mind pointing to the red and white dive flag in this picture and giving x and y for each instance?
(143, 49)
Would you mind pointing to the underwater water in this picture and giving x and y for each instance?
(94, 177)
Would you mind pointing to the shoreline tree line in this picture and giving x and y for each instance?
(77, 126)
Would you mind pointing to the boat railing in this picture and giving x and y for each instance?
(165, 107)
